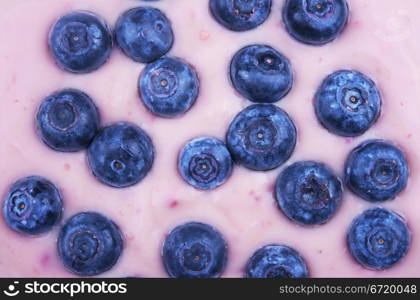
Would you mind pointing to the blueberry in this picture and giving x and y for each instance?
(205, 163)
(80, 42)
(89, 244)
(378, 238)
(261, 137)
(347, 103)
(144, 34)
(315, 22)
(67, 120)
(240, 15)
(194, 250)
(32, 206)
(308, 192)
(261, 74)
(276, 261)
(121, 155)
(168, 87)
(376, 170)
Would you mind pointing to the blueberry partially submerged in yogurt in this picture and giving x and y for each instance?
(276, 261)
(89, 244)
(68, 120)
(261, 74)
(168, 87)
(144, 34)
(308, 192)
(205, 163)
(240, 15)
(80, 42)
(32, 206)
(315, 22)
(378, 238)
(347, 103)
(376, 170)
(194, 250)
(261, 137)
(121, 155)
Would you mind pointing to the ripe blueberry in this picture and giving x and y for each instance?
(315, 22)
(240, 15)
(308, 192)
(168, 87)
(194, 250)
(376, 170)
(121, 155)
(32, 206)
(205, 163)
(347, 103)
(276, 261)
(89, 244)
(261, 74)
(378, 238)
(144, 34)
(67, 120)
(261, 137)
(80, 42)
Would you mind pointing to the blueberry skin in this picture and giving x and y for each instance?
(261, 137)
(32, 206)
(67, 120)
(308, 192)
(376, 171)
(276, 261)
(121, 155)
(194, 250)
(144, 34)
(205, 163)
(80, 42)
(89, 244)
(261, 74)
(347, 103)
(378, 238)
(240, 15)
(168, 87)
(315, 22)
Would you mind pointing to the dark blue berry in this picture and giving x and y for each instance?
(32, 206)
(315, 22)
(205, 163)
(261, 137)
(121, 155)
(376, 170)
(240, 15)
(67, 120)
(347, 103)
(308, 192)
(378, 238)
(89, 244)
(168, 87)
(80, 42)
(261, 74)
(194, 250)
(276, 261)
(144, 34)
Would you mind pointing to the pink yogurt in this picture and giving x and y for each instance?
(381, 40)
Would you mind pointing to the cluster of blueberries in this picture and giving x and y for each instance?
(261, 137)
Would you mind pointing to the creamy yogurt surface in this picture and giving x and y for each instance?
(382, 40)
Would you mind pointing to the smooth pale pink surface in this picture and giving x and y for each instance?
(381, 40)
